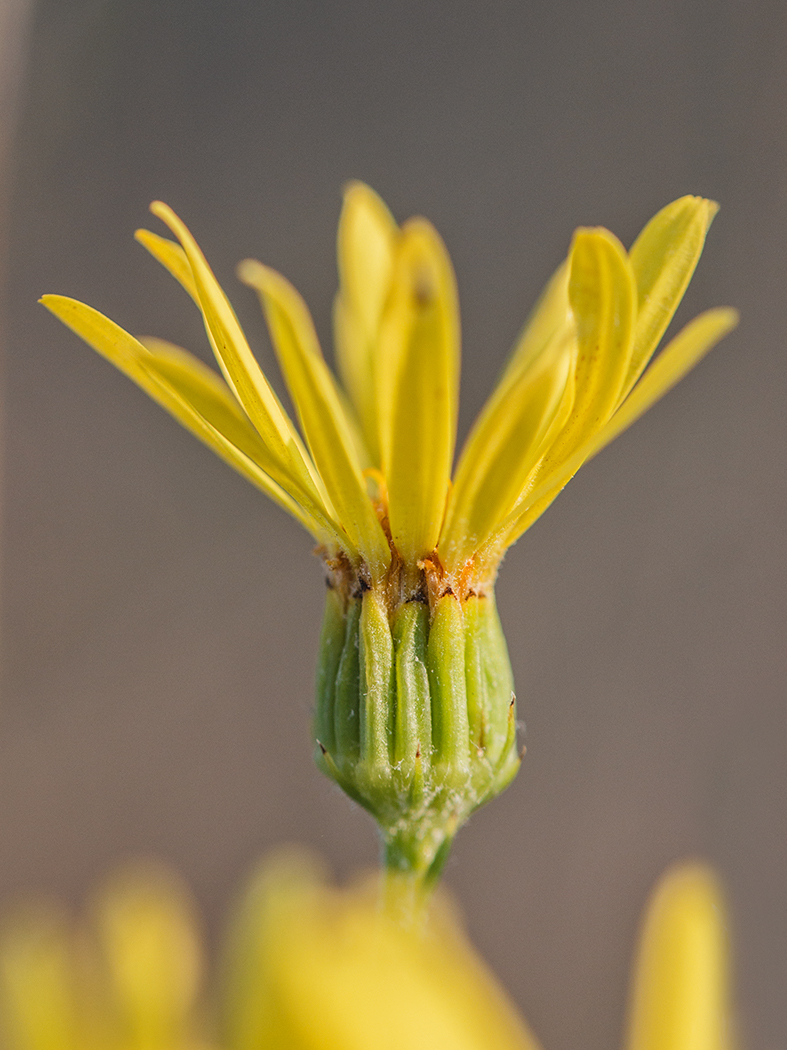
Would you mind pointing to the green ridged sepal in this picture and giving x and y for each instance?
(415, 716)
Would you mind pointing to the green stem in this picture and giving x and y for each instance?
(410, 874)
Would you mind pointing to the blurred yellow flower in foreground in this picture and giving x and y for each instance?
(312, 968)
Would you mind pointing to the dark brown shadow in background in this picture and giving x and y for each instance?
(161, 617)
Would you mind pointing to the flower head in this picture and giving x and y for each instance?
(374, 486)
(415, 715)
(309, 967)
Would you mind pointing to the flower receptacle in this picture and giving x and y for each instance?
(416, 716)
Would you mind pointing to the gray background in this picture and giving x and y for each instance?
(161, 617)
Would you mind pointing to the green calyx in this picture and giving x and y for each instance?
(415, 717)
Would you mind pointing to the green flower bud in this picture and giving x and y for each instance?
(415, 716)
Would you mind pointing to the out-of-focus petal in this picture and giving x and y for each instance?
(38, 992)
(172, 258)
(680, 997)
(326, 970)
(149, 957)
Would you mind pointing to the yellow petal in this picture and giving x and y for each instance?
(603, 300)
(602, 295)
(239, 365)
(680, 994)
(366, 240)
(502, 450)
(184, 387)
(208, 394)
(663, 258)
(679, 356)
(314, 393)
(418, 388)
(38, 1008)
(151, 954)
(172, 258)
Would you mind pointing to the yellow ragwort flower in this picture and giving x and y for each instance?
(415, 713)
(308, 967)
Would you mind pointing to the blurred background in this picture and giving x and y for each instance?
(161, 617)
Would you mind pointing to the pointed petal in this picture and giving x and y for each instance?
(663, 258)
(181, 386)
(678, 357)
(418, 388)
(602, 295)
(680, 995)
(172, 258)
(501, 452)
(365, 248)
(366, 241)
(207, 393)
(239, 366)
(313, 390)
(603, 300)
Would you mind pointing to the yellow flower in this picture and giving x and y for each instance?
(574, 382)
(308, 967)
(415, 716)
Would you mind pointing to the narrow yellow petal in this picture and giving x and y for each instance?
(239, 365)
(418, 388)
(502, 450)
(602, 295)
(366, 241)
(172, 258)
(663, 258)
(679, 356)
(316, 398)
(184, 387)
(680, 995)
(208, 394)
